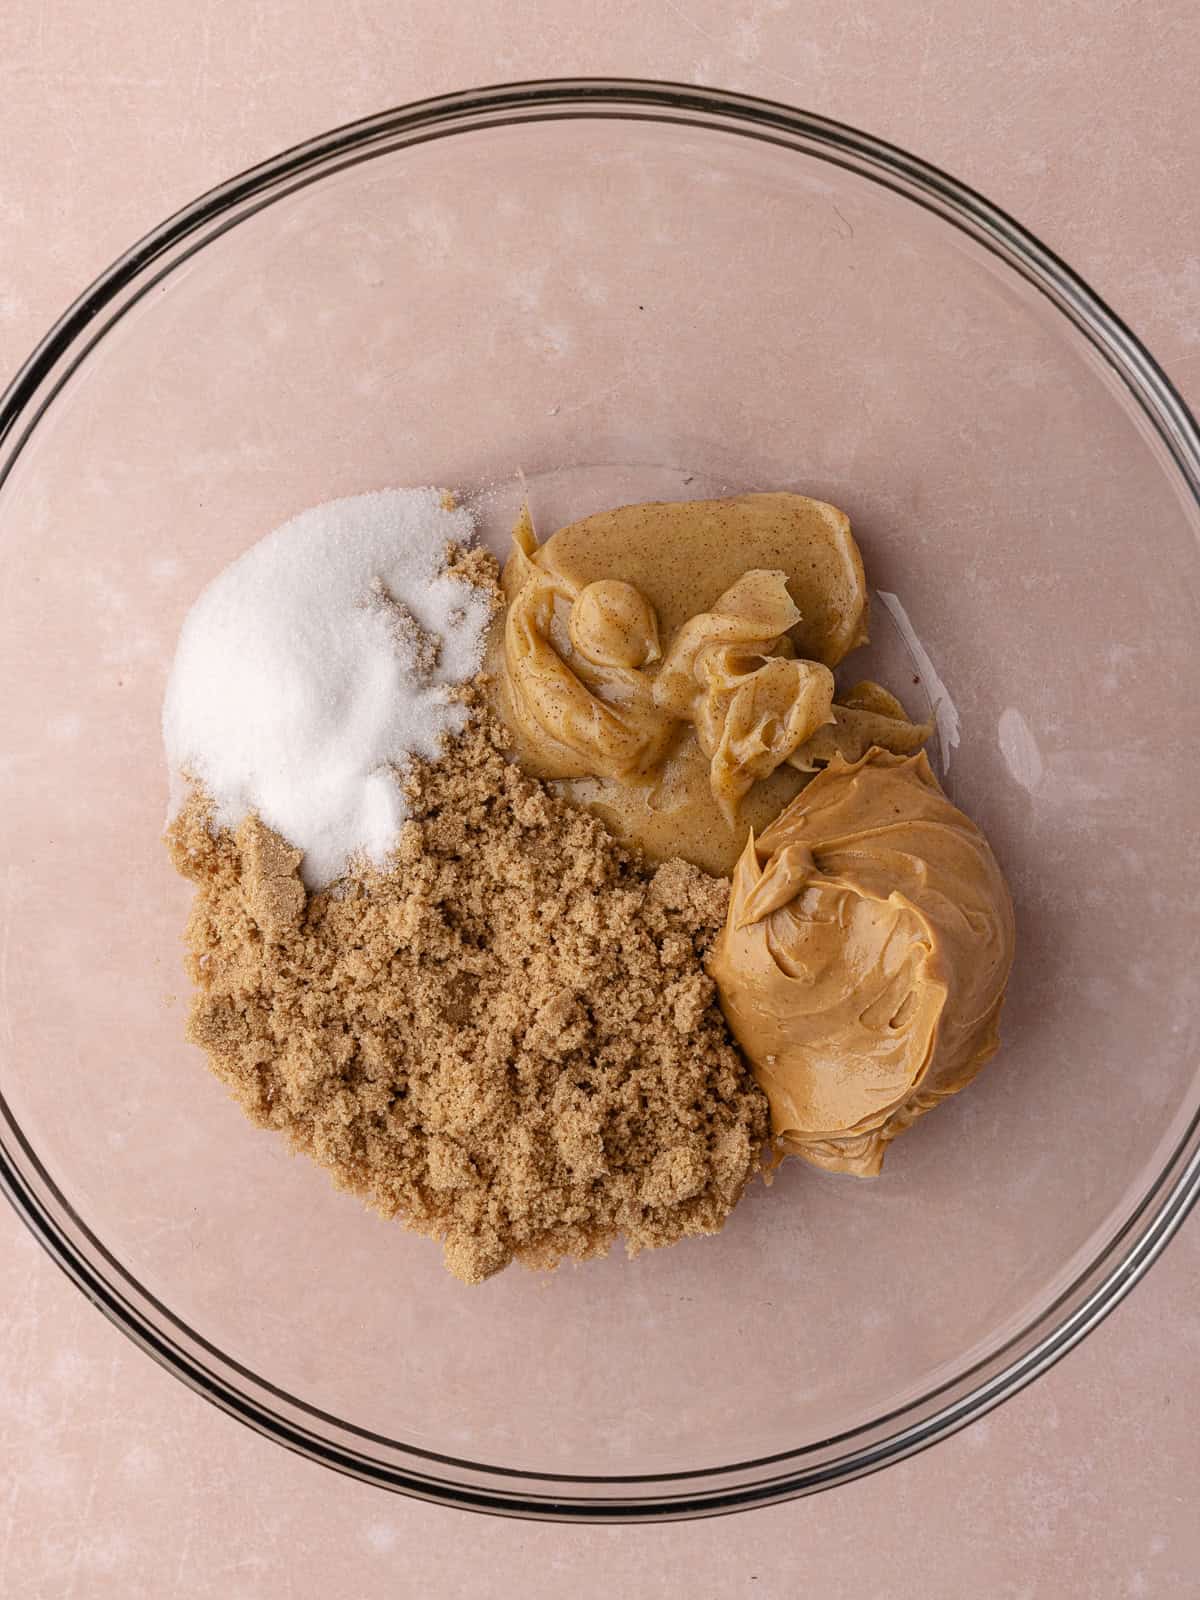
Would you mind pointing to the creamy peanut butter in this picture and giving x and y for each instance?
(682, 554)
(669, 665)
(863, 964)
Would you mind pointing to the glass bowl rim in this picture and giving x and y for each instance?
(390, 1464)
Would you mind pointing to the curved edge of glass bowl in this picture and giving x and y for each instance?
(490, 1489)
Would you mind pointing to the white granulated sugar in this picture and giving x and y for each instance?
(302, 683)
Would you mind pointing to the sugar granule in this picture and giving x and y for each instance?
(306, 674)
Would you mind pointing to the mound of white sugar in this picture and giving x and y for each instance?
(309, 671)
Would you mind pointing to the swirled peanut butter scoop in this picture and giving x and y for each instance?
(592, 695)
(668, 665)
(731, 673)
(863, 964)
(573, 658)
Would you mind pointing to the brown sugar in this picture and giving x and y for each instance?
(416, 646)
(507, 1040)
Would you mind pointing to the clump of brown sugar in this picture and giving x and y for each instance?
(508, 1040)
(419, 649)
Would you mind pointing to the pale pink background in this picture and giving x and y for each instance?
(1080, 118)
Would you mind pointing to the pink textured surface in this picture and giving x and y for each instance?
(115, 1480)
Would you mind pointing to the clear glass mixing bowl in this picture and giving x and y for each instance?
(619, 289)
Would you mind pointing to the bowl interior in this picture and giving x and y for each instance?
(618, 309)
